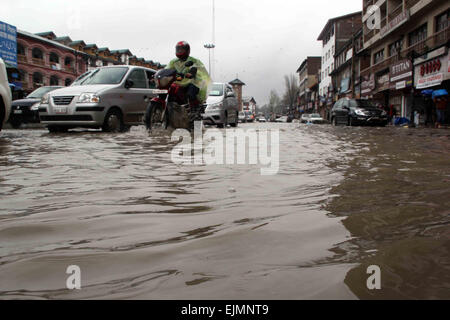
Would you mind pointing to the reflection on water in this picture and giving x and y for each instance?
(142, 227)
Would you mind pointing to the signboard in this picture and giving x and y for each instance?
(395, 23)
(368, 84)
(432, 72)
(401, 74)
(8, 44)
(383, 82)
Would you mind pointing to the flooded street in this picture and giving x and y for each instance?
(141, 227)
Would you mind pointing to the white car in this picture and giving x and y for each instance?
(5, 95)
(283, 119)
(316, 118)
(305, 118)
(262, 119)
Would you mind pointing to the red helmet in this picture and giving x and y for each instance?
(183, 50)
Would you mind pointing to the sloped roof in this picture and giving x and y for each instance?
(237, 82)
(75, 43)
(45, 34)
(63, 39)
(331, 21)
(91, 45)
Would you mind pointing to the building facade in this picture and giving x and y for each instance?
(336, 33)
(308, 84)
(408, 52)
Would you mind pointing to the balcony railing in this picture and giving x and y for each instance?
(22, 58)
(394, 13)
(38, 61)
(420, 48)
(410, 3)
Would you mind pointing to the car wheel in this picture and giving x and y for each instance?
(113, 122)
(15, 123)
(56, 129)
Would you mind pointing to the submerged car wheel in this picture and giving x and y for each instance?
(113, 122)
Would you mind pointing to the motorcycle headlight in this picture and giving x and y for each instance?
(44, 99)
(360, 112)
(88, 98)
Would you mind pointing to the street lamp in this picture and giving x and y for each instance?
(209, 46)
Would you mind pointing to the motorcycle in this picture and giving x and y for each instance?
(170, 108)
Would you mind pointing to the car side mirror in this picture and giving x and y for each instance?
(129, 84)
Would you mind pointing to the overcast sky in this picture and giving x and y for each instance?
(258, 40)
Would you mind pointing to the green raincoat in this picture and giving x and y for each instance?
(201, 81)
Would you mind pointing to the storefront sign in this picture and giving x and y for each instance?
(401, 74)
(432, 72)
(430, 81)
(368, 84)
(8, 44)
(395, 23)
(383, 82)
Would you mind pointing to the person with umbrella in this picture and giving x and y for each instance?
(440, 99)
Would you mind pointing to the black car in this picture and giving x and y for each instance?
(22, 110)
(353, 112)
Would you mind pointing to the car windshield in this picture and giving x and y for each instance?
(39, 93)
(105, 76)
(315, 115)
(216, 90)
(365, 104)
(81, 78)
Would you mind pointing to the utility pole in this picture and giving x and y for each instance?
(210, 47)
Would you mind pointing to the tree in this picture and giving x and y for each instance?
(291, 92)
(274, 102)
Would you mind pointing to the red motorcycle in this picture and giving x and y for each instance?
(171, 108)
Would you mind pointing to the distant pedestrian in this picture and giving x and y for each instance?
(441, 105)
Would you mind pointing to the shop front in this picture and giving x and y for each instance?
(401, 85)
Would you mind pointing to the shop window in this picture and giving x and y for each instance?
(418, 35)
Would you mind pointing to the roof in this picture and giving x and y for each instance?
(122, 51)
(75, 43)
(91, 45)
(52, 42)
(47, 33)
(333, 20)
(248, 99)
(237, 82)
(306, 61)
(63, 38)
(103, 49)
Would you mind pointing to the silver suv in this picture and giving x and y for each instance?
(110, 98)
(223, 107)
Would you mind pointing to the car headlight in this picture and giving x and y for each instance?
(44, 99)
(384, 113)
(360, 112)
(35, 107)
(88, 98)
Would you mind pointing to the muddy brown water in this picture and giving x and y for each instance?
(142, 227)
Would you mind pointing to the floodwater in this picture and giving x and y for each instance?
(141, 227)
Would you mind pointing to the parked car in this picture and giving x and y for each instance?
(223, 106)
(282, 119)
(357, 112)
(262, 119)
(249, 116)
(305, 118)
(27, 110)
(315, 118)
(111, 98)
(5, 95)
(242, 117)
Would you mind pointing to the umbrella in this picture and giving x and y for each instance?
(440, 93)
(427, 92)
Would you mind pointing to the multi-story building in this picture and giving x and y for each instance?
(334, 35)
(308, 83)
(408, 47)
(249, 104)
(44, 62)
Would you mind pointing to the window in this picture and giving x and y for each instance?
(395, 48)
(38, 79)
(54, 81)
(20, 49)
(68, 82)
(151, 79)
(138, 78)
(67, 61)
(38, 54)
(378, 57)
(442, 21)
(54, 58)
(418, 35)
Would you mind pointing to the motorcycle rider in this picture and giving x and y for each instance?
(197, 80)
